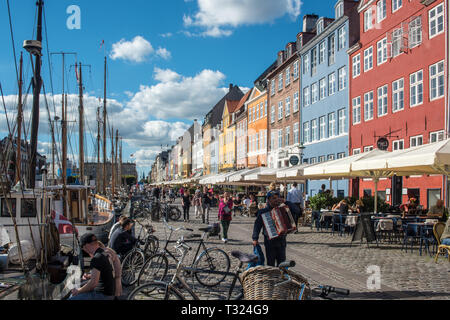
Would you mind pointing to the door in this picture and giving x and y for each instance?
(397, 187)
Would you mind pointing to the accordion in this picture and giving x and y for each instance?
(278, 222)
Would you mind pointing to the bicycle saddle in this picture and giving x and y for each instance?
(207, 229)
(244, 257)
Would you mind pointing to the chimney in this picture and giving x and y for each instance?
(231, 87)
(309, 22)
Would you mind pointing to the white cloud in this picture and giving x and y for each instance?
(137, 50)
(166, 35)
(215, 15)
(166, 75)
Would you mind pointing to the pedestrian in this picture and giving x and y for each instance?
(198, 203)
(116, 226)
(117, 266)
(206, 205)
(295, 196)
(275, 248)
(122, 241)
(186, 204)
(100, 283)
(225, 214)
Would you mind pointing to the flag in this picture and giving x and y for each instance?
(102, 44)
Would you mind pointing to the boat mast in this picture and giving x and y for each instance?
(104, 134)
(120, 164)
(37, 84)
(97, 180)
(81, 126)
(113, 173)
(64, 151)
(19, 125)
(117, 156)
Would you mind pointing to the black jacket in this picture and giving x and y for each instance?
(122, 241)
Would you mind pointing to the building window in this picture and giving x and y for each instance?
(368, 59)
(339, 11)
(323, 88)
(295, 102)
(296, 70)
(272, 141)
(306, 136)
(331, 125)
(296, 140)
(437, 80)
(313, 160)
(272, 87)
(382, 51)
(331, 84)
(322, 52)
(313, 61)
(306, 64)
(341, 155)
(356, 110)
(415, 32)
(368, 149)
(331, 49)
(396, 4)
(342, 78)
(436, 136)
(416, 88)
(341, 38)
(397, 42)
(288, 106)
(415, 141)
(314, 93)
(330, 157)
(368, 20)
(368, 106)
(356, 151)
(321, 159)
(341, 124)
(287, 136)
(280, 110)
(306, 97)
(397, 95)
(280, 138)
(381, 10)
(323, 128)
(314, 130)
(356, 65)
(397, 145)
(272, 114)
(288, 76)
(280, 81)
(254, 114)
(436, 20)
(257, 112)
(382, 100)
(265, 108)
(261, 110)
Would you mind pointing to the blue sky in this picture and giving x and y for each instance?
(169, 61)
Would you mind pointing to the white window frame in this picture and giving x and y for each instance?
(382, 100)
(314, 93)
(356, 106)
(440, 136)
(342, 34)
(295, 70)
(272, 87)
(295, 131)
(306, 97)
(357, 151)
(340, 155)
(397, 42)
(313, 61)
(368, 59)
(342, 75)
(306, 133)
(331, 49)
(331, 125)
(280, 110)
(272, 114)
(439, 26)
(341, 122)
(396, 5)
(322, 128)
(398, 145)
(280, 138)
(381, 10)
(381, 51)
(314, 133)
(416, 88)
(287, 136)
(398, 95)
(331, 84)
(368, 106)
(416, 140)
(438, 77)
(280, 81)
(288, 106)
(306, 63)
(322, 88)
(339, 11)
(368, 19)
(296, 102)
(288, 76)
(356, 65)
(322, 52)
(368, 148)
(415, 36)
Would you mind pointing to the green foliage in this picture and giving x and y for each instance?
(369, 204)
(323, 200)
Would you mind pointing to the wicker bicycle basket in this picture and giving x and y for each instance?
(259, 284)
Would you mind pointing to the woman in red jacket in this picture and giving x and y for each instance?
(225, 213)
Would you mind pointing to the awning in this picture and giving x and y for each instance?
(262, 175)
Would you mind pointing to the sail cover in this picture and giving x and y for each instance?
(4, 236)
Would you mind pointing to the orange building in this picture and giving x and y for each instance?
(257, 128)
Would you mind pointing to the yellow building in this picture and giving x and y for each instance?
(227, 141)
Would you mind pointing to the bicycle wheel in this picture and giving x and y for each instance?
(174, 214)
(154, 291)
(151, 245)
(154, 269)
(212, 259)
(131, 266)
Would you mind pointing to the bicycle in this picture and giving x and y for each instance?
(135, 259)
(204, 267)
(159, 290)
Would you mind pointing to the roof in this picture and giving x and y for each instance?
(216, 113)
(232, 106)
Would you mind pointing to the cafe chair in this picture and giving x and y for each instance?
(412, 235)
(442, 249)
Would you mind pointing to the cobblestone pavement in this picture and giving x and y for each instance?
(324, 258)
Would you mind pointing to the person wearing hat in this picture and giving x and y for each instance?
(275, 248)
(101, 284)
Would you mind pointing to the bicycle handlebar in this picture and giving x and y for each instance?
(326, 290)
(287, 264)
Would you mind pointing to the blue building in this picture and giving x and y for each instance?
(324, 91)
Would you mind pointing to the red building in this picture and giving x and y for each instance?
(398, 89)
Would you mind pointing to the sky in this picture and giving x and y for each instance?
(169, 62)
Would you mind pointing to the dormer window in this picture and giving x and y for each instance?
(320, 26)
(299, 42)
(280, 58)
(289, 51)
(339, 11)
